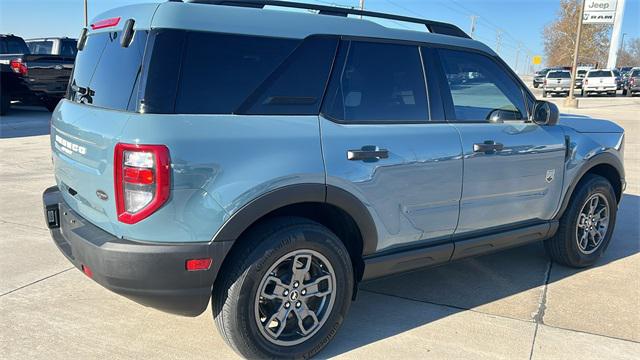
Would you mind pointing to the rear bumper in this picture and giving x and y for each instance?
(600, 88)
(151, 274)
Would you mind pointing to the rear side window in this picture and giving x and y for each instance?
(296, 88)
(219, 71)
(68, 48)
(379, 82)
(44, 47)
(480, 88)
(108, 70)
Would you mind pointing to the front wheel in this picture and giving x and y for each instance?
(535, 85)
(585, 228)
(286, 292)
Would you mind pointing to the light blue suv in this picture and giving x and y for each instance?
(271, 160)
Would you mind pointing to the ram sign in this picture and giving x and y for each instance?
(599, 12)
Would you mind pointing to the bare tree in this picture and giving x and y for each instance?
(560, 37)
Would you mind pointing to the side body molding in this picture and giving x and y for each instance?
(298, 194)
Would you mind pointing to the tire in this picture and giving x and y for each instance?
(535, 85)
(564, 247)
(5, 104)
(613, 93)
(624, 91)
(544, 94)
(582, 92)
(266, 253)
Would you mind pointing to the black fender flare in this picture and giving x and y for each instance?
(599, 159)
(297, 194)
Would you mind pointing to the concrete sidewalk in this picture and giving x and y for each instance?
(509, 305)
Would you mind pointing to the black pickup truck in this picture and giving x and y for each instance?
(31, 79)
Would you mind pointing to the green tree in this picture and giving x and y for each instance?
(560, 38)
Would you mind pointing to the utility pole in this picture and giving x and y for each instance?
(86, 16)
(518, 56)
(571, 100)
(498, 41)
(615, 35)
(472, 30)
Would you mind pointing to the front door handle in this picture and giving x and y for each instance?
(368, 153)
(489, 146)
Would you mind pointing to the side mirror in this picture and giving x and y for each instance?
(82, 39)
(545, 113)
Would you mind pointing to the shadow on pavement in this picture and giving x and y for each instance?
(23, 121)
(469, 284)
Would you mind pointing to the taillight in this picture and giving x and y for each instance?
(101, 24)
(586, 81)
(18, 66)
(632, 81)
(142, 180)
(545, 81)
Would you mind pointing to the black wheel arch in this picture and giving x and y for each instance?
(336, 208)
(606, 165)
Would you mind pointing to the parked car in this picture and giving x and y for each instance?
(31, 79)
(600, 81)
(619, 78)
(53, 46)
(557, 82)
(538, 77)
(269, 161)
(632, 83)
(580, 78)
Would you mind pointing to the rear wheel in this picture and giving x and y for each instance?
(585, 228)
(286, 293)
(544, 94)
(535, 85)
(624, 91)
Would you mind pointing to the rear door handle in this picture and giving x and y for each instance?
(488, 146)
(367, 153)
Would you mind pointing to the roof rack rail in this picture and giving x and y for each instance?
(435, 27)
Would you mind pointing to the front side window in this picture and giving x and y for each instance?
(379, 82)
(480, 89)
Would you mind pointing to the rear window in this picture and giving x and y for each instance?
(13, 45)
(107, 70)
(600, 73)
(559, 75)
(635, 73)
(44, 47)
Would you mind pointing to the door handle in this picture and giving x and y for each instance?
(368, 153)
(489, 146)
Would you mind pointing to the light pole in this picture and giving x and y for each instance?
(571, 100)
(86, 16)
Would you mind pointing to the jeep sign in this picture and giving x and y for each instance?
(599, 11)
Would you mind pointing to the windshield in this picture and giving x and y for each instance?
(600, 73)
(559, 75)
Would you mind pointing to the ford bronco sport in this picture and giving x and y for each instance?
(269, 160)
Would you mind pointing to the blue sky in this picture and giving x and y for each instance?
(521, 21)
